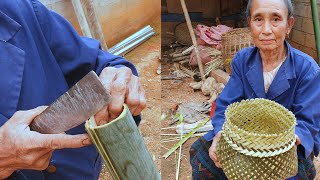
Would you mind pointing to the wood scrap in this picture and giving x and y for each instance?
(182, 58)
(187, 71)
(220, 76)
(196, 85)
(208, 86)
(218, 87)
(185, 128)
(178, 72)
(193, 112)
(184, 61)
(175, 55)
(171, 78)
(188, 50)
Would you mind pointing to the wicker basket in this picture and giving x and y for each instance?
(258, 141)
(232, 42)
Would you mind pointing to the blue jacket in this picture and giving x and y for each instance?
(296, 87)
(41, 57)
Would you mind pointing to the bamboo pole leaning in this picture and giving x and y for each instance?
(193, 37)
(316, 26)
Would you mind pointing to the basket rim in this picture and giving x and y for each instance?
(283, 140)
(262, 134)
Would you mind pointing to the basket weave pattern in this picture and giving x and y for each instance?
(258, 140)
(232, 42)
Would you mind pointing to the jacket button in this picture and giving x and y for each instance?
(51, 169)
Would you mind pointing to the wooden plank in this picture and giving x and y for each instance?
(81, 18)
(88, 20)
(122, 147)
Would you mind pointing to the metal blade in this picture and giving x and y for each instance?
(74, 107)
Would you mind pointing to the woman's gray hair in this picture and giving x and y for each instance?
(288, 3)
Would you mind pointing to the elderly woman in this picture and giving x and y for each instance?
(273, 70)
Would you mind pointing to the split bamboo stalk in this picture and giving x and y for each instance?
(89, 21)
(193, 37)
(122, 148)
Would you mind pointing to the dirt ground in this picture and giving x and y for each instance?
(175, 92)
(146, 58)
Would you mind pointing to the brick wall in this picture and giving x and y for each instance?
(302, 35)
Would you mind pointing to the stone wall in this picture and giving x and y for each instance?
(302, 35)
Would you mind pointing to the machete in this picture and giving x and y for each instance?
(74, 107)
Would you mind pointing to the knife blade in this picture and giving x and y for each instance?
(74, 107)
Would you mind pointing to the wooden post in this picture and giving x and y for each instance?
(122, 148)
(88, 20)
(193, 37)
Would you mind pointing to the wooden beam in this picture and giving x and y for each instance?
(89, 21)
(193, 37)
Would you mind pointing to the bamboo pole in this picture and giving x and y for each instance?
(122, 148)
(316, 26)
(89, 21)
(193, 37)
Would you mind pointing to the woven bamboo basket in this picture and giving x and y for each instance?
(258, 141)
(232, 42)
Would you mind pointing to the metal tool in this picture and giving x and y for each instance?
(74, 107)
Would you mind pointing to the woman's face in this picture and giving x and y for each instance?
(269, 23)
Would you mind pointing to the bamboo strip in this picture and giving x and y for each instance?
(185, 138)
(180, 149)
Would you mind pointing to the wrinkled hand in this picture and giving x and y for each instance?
(124, 87)
(213, 150)
(22, 148)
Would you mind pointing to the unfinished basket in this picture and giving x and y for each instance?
(232, 42)
(258, 140)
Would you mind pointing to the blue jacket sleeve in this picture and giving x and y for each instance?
(306, 107)
(3, 120)
(232, 92)
(76, 55)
